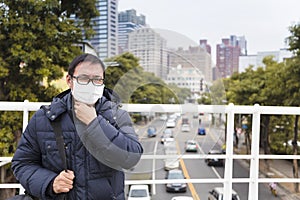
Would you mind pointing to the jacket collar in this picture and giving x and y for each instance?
(63, 102)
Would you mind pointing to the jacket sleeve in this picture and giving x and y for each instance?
(27, 166)
(114, 142)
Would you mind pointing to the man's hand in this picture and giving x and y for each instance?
(85, 113)
(63, 182)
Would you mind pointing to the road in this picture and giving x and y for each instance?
(193, 168)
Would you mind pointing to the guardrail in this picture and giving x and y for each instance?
(230, 110)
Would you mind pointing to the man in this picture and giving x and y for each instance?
(99, 141)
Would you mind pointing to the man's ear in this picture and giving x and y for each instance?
(69, 81)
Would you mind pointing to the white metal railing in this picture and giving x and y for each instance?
(230, 110)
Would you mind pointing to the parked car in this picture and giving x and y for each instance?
(182, 198)
(151, 131)
(139, 192)
(215, 161)
(175, 187)
(171, 123)
(185, 128)
(190, 145)
(201, 131)
(218, 192)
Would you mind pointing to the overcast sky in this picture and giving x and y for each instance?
(264, 23)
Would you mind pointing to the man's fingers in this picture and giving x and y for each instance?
(63, 182)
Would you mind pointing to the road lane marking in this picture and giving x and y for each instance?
(153, 168)
(213, 137)
(187, 176)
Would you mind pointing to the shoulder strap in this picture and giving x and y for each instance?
(60, 141)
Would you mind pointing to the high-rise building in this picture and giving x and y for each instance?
(194, 57)
(257, 60)
(228, 53)
(189, 77)
(150, 48)
(205, 45)
(128, 22)
(105, 40)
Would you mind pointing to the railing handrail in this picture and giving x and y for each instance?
(230, 110)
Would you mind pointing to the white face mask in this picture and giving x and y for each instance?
(88, 94)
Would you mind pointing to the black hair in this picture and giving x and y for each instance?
(85, 58)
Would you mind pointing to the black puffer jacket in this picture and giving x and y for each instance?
(96, 153)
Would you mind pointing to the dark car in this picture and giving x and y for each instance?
(151, 131)
(201, 131)
(175, 187)
(215, 161)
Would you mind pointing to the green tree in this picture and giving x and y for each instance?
(37, 42)
(293, 82)
(134, 85)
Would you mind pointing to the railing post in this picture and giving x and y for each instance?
(228, 173)
(254, 162)
(21, 190)
(25, 115)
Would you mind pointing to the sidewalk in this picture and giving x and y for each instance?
(277, 169)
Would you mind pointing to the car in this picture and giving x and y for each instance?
(215, 161)
(163, 117)
(201, 131)
(168, 131)
(151, 131)
(175, 187)
(190, 145)
(139, 192)
(182, 198)
(167, 136)
(195, 115)
(185, 128)
(218, 192)
(171, 163)
(290, 143)
(170, 147)
(185, 120)
(171, 123)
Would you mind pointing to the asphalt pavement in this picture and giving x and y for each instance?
(277, 169)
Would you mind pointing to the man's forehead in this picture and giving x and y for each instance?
(88, 66)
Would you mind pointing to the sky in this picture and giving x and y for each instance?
(264, 23)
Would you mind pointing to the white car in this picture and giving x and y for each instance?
(163, 117)
(185, 128)
(218, 192)
(139, 192)
(190, 145)
(170, 124)
(171, 163)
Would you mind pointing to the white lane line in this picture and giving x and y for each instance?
(153, 168)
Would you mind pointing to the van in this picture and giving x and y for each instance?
(139, 192)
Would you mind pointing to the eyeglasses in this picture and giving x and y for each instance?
(84, 80)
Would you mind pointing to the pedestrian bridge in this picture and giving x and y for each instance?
(229, 110)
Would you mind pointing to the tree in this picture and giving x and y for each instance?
(37, 42)
(294, 87)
